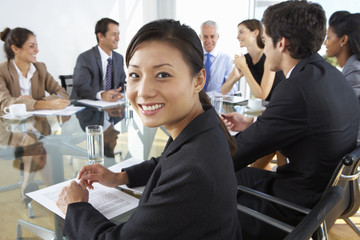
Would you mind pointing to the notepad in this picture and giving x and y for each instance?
(100, 103)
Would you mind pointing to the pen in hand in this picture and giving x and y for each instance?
(53, 92)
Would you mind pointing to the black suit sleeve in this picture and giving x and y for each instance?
(139, 174)
(164, 216)
(283, 122)
(86, 77)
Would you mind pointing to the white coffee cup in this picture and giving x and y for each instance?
(255, 103)
(16, 109)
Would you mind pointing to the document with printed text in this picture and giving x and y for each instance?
(111, 202)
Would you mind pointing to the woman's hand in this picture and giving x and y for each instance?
(237, 74)
(240, 62)
(54, 104)
(75, 192)
(98, 173)
(57, 104)
(236, 122)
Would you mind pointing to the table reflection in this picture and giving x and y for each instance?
(54, 149)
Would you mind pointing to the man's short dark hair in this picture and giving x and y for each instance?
(302, 23)
(102, 26)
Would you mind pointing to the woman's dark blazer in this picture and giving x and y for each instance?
(190, 192)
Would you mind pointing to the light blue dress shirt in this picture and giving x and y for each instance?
(221, 67)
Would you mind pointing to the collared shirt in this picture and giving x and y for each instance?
(104, 58)
(289, 73)
(221, 67)
(25, 82)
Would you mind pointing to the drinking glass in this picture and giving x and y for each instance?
(217, 102)
(95, 144)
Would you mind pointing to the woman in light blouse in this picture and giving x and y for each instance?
(23, 79)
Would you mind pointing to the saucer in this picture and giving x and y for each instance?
(15, 117)
(251, 110)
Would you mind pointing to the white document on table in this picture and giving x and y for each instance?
(100, 103)
(68, 111)
(124, 164)
(111, 202)
(233, 99)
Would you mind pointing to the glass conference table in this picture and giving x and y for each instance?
(54, 151)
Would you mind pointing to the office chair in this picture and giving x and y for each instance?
(348, 173)
(332, 206)
(67, 82)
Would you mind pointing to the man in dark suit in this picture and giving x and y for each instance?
(313, 118)
(99, 72)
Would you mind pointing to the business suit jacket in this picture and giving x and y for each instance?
(40, 82)
(88, 74)
(351, 72)
(190, 192)
(313, 118)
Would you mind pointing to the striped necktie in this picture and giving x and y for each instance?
(108, 84)
(207, 69)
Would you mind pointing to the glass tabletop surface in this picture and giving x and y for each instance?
(40, 151)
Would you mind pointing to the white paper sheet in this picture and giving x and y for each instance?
(68, 111)
(99, 103)
(111, 202)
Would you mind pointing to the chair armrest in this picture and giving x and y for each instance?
(310, 223)
(350, 177)
(269, 220)
(273, 199)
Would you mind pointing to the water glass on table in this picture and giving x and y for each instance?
(217, 102)
(95, 144)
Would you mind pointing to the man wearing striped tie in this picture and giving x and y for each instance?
(99, 72)
(218, 65)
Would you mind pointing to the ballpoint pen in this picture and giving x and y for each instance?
(53, 92)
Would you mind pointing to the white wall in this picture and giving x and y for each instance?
(65, 28)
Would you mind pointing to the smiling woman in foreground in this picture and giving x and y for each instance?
(191, 188)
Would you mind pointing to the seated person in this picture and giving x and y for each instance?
(312, 118)
(342, 42)
(254, 67)
(22, 79)
(190, 189)
(218, 65)
(99, 72)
